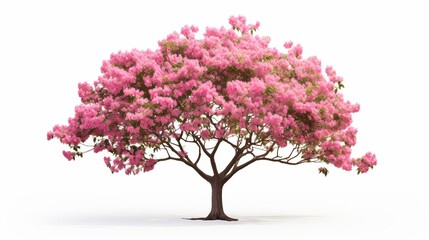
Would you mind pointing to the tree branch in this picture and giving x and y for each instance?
(231, 144)
(285, 160)
(238, 155)
(216, 147)
(212, 158)
(198, 141)
(235, 165)
(199, 155)
(167, 158)
(189, 163)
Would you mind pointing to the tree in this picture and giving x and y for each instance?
(226, 90)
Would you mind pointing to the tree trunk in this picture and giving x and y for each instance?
(216, 212)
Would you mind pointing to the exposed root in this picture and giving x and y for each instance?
(209, 218)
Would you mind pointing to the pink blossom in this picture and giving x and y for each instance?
(370, 159)
(176, 135)
(288, 44)
(295, 51)
(366, 162)
(132, 92)
(86, 92)
(350, 136)
(309, 153)
(149, 164)
(50, 135)
(128, 170)
(219, 133)
(164, 102)
(347, 164)
(69, 155)
(332, 74)
(118, 163)
(205, 134)
(236, 22)
(107, 161)
(188, 31)
(183, 153)
(98, 148)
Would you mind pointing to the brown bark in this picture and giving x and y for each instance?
(216, 212)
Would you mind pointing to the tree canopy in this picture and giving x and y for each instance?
(230, 86)
(227, 87)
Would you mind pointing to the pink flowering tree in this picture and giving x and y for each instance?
(229, 90)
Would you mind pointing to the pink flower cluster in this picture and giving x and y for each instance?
(69, 155)
(229, 83)
(239, 23)
(366, 162)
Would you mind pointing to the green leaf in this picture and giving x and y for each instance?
(320, 98)
(324, 171)
(336, 117)
(269, 90)
(134, 148)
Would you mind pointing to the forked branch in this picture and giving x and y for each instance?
(263, 157)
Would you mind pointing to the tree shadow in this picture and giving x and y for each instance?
(267, 219)
(135, 220)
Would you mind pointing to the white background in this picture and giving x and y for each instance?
(47, 48)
